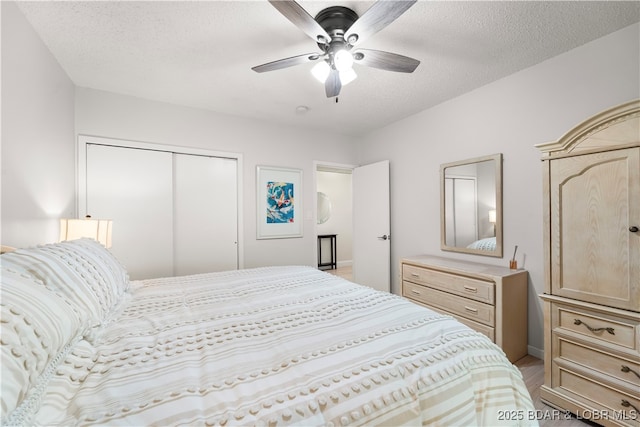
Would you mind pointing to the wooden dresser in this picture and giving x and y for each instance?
(490, 299)
(592, 268)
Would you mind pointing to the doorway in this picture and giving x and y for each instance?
(334, 215)
(368, 232)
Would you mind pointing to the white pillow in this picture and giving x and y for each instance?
(37, 324)
(52, 296)
(82, 271)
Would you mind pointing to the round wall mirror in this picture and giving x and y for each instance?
(324, 208)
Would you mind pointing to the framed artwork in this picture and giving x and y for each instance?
(279, 204)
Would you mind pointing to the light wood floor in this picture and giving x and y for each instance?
(344, 272)
(532, 370)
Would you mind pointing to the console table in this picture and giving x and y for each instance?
(332, 264)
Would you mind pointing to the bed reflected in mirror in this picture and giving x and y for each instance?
(471, 206)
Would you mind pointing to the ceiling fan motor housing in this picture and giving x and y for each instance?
(336, 20)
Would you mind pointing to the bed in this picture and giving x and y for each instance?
(271, 346)
(487, 244)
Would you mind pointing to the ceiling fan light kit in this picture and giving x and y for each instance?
(343, 60)
(321, 71)
(347, 76)
(337, 30)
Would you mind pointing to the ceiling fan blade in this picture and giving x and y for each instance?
(385, 60)
(333, 84)
(301, 19)
(287, 62)
(378, 16)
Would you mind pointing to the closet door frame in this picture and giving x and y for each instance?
(81, 172)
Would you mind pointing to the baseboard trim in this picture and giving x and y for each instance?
(535, 352)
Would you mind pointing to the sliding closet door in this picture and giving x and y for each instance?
(134, 188)
(460, 211)
(173, 213)
(205, 214)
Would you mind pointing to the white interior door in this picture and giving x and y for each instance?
(371, 226)
(134, 188)
(205, 214)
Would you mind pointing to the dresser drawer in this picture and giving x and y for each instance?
(469, 309)
(609, 329)
(478, 327)
(467, 287)
(604, 399)
(596, 360)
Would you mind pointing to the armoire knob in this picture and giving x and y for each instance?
(634, 229)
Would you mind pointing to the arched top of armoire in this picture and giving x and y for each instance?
(617, 127)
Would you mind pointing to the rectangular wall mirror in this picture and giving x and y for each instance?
(471, 206)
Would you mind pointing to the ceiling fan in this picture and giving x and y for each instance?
(338, 30)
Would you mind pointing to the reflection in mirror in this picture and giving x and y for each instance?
(471, 206)
(324, 208)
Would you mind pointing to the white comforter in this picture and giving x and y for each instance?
(280, 346)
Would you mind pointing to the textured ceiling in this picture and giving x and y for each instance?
(200, 53)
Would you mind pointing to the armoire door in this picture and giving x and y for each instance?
(173, 213)
(595, 203)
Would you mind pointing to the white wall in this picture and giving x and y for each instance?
(508, 116)
(123, 117)
(38, 178)
(337, 186)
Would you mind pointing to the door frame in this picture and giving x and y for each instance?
(340, 168)
(81, 172)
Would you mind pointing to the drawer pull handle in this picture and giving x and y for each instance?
(628, 404)
(416, 275)
(580, 322)
(470, 289)
(413, 291)
(471, 309)
(628, 369)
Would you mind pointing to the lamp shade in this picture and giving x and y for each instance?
(492, 216)
(97, 229)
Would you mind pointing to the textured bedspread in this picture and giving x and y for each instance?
(279, 346)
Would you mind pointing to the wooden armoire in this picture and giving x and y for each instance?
(592, 268)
